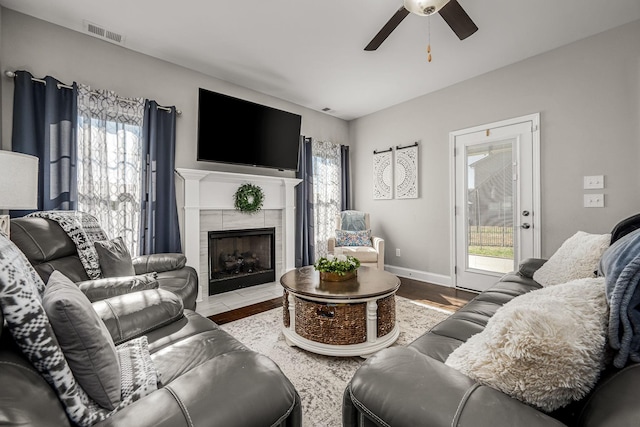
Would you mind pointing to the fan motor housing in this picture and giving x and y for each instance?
(424, 7)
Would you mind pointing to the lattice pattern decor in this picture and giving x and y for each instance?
(382, 175)
(406, 168)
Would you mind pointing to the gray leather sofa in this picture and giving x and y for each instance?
(411, 386)
(207, 377)
(48, 248)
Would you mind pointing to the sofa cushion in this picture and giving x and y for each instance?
(114, 258)
(362, 253)
(84, 339)
(546, 347)
(353, 238)
(577, 258)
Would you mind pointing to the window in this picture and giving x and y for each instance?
(327, 192)
(109, 161)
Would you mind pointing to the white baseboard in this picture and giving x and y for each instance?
(424, 276)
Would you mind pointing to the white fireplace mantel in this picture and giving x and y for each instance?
(212, 190)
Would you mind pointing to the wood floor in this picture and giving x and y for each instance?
(439, 296)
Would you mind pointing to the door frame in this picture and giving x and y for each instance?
(535, 218)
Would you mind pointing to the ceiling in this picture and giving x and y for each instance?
(311, 52)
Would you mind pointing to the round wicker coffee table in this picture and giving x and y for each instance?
(355, 317)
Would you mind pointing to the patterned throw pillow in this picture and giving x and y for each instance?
(353, 238)
(21, 302)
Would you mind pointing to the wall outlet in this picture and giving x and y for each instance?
(594, 200)
(397, 252)
(593, 182)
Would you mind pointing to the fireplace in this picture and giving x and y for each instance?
(241, 258)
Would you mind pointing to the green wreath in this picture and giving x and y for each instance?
(249, 198)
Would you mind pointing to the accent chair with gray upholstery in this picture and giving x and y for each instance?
(353, 237)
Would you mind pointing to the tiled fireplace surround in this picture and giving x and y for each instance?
(205, 203)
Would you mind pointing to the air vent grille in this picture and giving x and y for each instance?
(102, 33)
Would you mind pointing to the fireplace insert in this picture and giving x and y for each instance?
(241, 258)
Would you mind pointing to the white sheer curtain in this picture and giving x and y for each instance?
(109, 161)
(327, 192)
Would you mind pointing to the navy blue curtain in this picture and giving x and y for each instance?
(345, 203)
(159, 228)
(305, 240)
(45, 117)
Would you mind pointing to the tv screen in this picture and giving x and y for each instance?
(232, 130)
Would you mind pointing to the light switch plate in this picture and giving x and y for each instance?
(593, 182)
(594, 200)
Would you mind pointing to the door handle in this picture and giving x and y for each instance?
(526, 226)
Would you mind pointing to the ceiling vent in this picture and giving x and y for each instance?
(102, 33)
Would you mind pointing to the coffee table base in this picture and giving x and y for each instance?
(340, 327)
(364, 349)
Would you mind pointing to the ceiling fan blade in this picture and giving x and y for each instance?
(461, 24)
(388, 28)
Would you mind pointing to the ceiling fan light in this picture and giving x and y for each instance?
(424, 7)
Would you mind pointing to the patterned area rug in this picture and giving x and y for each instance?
(321, 380)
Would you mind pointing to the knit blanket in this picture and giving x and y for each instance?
(620, 265)
(83, 229)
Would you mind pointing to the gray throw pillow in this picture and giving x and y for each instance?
(84, 339)
(114, 258)
(353, 220)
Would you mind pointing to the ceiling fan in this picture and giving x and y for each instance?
(450, 10)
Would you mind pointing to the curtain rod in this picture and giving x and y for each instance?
(12, 74)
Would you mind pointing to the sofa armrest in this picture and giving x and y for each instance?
(158, 263)
(132, 315)
(100, 289)
(331, 244)
(378, 245)
(400, 386)
(529, 266)
(243, 388)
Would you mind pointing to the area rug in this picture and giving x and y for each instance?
(321, 380)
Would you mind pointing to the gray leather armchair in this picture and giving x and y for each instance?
(411, 386)
(206, 377)
(49, 248)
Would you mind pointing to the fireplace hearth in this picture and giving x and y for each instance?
(241, 258)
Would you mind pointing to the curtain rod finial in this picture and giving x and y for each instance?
(10, 74)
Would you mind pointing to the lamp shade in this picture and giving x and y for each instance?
(18, 181)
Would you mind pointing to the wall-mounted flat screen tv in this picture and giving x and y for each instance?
(232, 130)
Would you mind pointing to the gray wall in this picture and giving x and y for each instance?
(588, 95)
(47, 49)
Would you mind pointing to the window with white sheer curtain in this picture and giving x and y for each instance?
(109, 161)
(327, 192)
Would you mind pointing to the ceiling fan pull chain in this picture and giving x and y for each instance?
(429, 38)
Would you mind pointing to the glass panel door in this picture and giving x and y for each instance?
(490, 193)
(495, 222)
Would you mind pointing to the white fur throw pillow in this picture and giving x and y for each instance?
(545, 348)
(577, 258)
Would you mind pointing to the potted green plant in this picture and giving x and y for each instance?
(336, 268)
